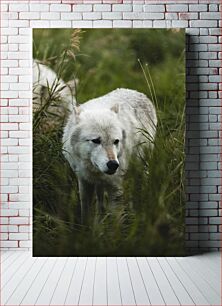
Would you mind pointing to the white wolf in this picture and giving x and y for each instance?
(47, 86)
(100, 137)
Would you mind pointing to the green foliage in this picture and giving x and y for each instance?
(150, 221)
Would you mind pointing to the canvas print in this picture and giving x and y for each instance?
(108, 142)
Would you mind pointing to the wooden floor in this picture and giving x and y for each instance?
(27, 280)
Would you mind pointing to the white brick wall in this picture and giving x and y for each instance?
(203, 166)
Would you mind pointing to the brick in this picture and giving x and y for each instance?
(213, 7)
(209, 228)
(102, 7)
(9, 126)
(208, 205)
(134, 15)
(216, 31)
(214, 47)
(112, 15)
(24, 229)
(171, 16)
(191, 228)
(203, 23)
(197, 7)
(53, 15)
(82, 8)
(208, 213)
(82, 24)
(60, 8)
(210, 244)
(24, 157)
(18, 236)
(215, 63)
(4, 7)
(122, 7)
(154, 8)
(147, 23)
(4, 181)
(215, 236)
(39, 23)
(24, 213)
(4, 236)
(9, 31)
(18, 150)
(137, 8)
(19, 102)
(19, 220)
(8, 228)
(138, 23)
(208, 55)
(60, 24)
(9, 212)
(188, 16)
(199, 236)
(71, 16)
(39, 7)
(122, 23)
(207, 15)
(21, 7)
(9, 244)
(19, 71)
(18, 23)
(19, 118)
(25, 244)
(162, 24)
(29, 15)
(92, 15)
(177, 8)
(18, 55)
(191, 220)
(4, 220)
(198, 47)
(9, 142)
(102, 23)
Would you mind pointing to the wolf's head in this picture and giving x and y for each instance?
(98, 139)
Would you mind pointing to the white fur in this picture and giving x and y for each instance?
(120, 115)
(43, 77)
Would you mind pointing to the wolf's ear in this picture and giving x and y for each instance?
(115, 108)
(77, 112)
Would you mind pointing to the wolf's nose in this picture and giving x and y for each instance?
(112, 165)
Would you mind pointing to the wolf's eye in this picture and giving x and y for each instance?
(96, 140)
(116, 142)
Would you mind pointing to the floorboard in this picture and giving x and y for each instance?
(141, 295)
(180, 291)
(100, 283)
(207, 291)
(165, 287)
(48, 290)
(188, 282)
(61, 290)
(152, 287)
(126, 289)
(213, 279)
(113, 284)
(86, 294)
(76, 283)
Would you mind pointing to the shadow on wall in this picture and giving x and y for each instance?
(192, 148)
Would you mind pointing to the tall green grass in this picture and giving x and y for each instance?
(150, 221)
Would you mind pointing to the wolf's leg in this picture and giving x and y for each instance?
(100, 198)
(86, 191)
(115, 195)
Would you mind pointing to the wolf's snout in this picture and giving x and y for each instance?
(112, 165)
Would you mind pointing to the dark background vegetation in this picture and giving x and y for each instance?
(150, 222)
